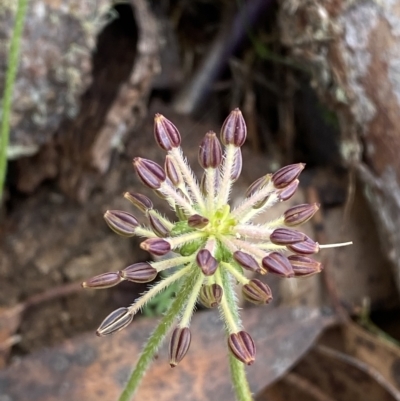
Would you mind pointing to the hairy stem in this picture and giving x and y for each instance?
(226, 182)
(8, 88)
(157, 337)
(239, 379)
(237, 368)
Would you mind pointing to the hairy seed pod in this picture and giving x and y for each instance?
(287, 192)
(207, 263)
(150, 173)
(257, 292)
(234, 130)
(166, 134)
(114, 322)
(286, 175)
(247, 261)
(257, 185)
(122, 223)
(306, 247)
(105, 280)
(179, 345)
(139, 273)
(197, 221)
(210, 151)
(300, 214)
(142, 202)
(157, 225)
(211, 295)
(173, 171)
(286, 236)
(278, 264)
(242, 347)
(156, 246)
(304, 266)
(237, 165)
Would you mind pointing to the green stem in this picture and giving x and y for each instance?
(239, 379)
(157, 337)
(238, 372)
(8, 88)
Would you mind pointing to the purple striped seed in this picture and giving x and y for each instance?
(210, 151)
(150, 173)
(114, 322)
(286, 236)
(142, 202)
(242, 347)
(207, 263)
(300, 214)
(210, 295)
(156, 246)
(139, 273)
(257, 292)
(166, 134)
(121, 222)
(278, 264)
(105, 280)
(179, 345)
(247, 261)
(286, 175)
(234, 130)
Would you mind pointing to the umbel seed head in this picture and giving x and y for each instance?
(206, 248)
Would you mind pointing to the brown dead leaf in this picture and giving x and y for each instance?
(375, 351)
(90, 368)
(343, 377)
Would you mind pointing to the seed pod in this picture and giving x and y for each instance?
(207, 263)
(242, 347)
(237, 165)
(142, 202)
(257, 185)
(257, 292)
(285, 236)
(210, 152)
(150, 173)
(139, 273)
(158, 225)
(287, 192)
(173, 171)
(286, 175)
(105, 280)
(278, 264)
(306, 247)
(156, 246)
(197, 221)
(211, 295)
(299, 214)
(114, 322)
(122, 223)
(246, 261)
(234, 130)
(304, 266)
(166, 134)
(179, 345)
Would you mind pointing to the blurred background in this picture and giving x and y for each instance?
(318, 81)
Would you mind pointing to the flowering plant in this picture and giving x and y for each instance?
(212, 245)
